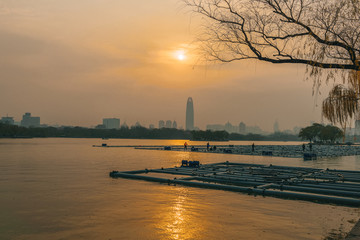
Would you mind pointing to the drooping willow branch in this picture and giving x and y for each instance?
(341, 104)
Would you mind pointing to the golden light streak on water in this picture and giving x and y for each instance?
(178, 221)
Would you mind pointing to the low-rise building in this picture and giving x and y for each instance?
(30, 121)
(7, 120)
(111, 123)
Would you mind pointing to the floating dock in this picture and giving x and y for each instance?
(338, 187)
(288, 151)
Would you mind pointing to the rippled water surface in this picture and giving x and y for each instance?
(61, 189)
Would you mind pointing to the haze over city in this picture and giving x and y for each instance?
(77, 62)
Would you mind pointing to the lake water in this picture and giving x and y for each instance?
(61, 189)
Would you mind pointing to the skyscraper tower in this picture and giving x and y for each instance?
(174, 124)
(276, 127)
(189, 114)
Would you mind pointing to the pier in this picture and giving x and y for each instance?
(338, 187)
(289, 151)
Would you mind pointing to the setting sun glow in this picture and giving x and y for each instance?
(180, 55)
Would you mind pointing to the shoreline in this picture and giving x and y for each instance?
(354, 233)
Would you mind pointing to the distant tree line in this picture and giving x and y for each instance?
(137, 132)
(13, 131)
(321, 133)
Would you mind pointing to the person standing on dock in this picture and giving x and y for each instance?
(207, 146)
(185, 146)
(253, 147)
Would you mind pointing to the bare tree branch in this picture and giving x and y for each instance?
(325, 33)
(321, 34)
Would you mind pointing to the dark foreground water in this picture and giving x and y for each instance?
(60, 189)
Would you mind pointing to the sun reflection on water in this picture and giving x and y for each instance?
(178, 219)
(175, 225)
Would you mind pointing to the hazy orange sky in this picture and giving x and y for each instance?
(76, 62)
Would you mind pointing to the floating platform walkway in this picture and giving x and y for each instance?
(289, 151)
(338, 187)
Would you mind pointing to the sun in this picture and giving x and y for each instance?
(180, 55)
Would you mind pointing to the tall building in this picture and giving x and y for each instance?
(29, 121)
(276, 126)
(8, 120)
(161, 124)
(168, 124)
(229, 127)
(189, 123)
(111, 123)
(242, 128)
(174, 124)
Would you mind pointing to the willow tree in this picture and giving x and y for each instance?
(324, 35)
